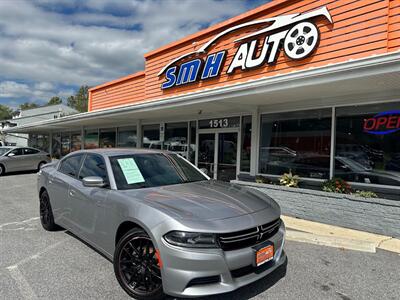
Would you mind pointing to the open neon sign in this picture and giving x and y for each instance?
(383, 123)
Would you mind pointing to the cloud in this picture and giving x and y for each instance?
(47, 45)
(11, 89)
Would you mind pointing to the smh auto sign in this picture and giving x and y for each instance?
(296, 34)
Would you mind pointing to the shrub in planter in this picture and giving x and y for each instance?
(336, 185)
(262, 179)
(366, 194)
(289, 180)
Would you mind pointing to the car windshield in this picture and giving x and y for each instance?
(4, 150)
(145, 170)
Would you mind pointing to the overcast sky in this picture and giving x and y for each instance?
(50, 48)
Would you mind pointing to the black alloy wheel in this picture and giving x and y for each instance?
(136, 266)
(46, 213)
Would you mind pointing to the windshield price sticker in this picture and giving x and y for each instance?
(130, 170)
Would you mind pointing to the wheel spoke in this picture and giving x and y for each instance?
(138, 265)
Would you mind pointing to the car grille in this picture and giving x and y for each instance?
(248, 237)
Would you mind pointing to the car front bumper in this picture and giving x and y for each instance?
(202, 272)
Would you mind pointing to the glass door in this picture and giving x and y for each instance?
(218, 154)
(227, 156)
(206, 153)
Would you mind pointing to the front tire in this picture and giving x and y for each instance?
(2, 170)
(46, 213)
(136, 266)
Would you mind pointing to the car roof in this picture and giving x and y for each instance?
(120, 151)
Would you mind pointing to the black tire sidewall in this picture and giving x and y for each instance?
(3, 170)
(136, 232)
(51, 226)
(40, 165)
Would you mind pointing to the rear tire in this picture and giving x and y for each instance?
(2, 170)
(46, 213)
(40, 165)
(136, 266)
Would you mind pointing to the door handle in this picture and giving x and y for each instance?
(72, 193)
(50, 181)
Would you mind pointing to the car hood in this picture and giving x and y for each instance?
(205, 200)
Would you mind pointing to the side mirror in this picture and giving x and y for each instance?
(204, 170)
(93, 181)
(11, 154)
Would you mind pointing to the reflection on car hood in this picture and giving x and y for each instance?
(205, 200)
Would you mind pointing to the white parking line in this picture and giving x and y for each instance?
(37, 255)
(21, 225)
(23, 285)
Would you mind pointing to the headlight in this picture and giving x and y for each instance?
(191, 239)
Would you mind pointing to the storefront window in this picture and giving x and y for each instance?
(107, 138)
(91, 139)
(368, 144)
(192, 142)
(56, 146)
(76, 142)
(297, 141)
(246, 144)
(127, 137)
(39, 141)
(65, 143)
(151, 136)
(176, 138)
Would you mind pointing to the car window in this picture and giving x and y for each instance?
(71, 165)
(4, 150)
(28, 151)
(93, 165)
(17, 151)
(152, 170)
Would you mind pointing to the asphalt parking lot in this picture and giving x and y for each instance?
(35, 264)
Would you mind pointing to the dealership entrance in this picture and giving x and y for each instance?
(218, 152)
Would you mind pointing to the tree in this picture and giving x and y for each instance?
(5, 112)
(79, 101)
(28, 105)
(55, 100)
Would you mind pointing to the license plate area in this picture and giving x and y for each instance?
(263, 253)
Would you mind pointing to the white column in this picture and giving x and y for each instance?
(333, 144)
(139, 134)
(82, 138)
(255, 136)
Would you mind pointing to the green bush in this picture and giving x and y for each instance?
(289, 180)
(336, 185)
(262, 179)
(366, 194)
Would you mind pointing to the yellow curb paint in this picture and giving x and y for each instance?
(392, 245)
(336, 232)
(330, 241)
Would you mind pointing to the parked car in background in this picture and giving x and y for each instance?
(13, 159)
(165, 225)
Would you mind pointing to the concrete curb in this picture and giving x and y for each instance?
(334, 236)
(343, 243)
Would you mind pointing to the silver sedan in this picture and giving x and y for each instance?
(13, 159)
(166, 226)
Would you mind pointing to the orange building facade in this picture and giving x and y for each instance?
(309, 87)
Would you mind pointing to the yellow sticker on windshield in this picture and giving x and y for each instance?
(131, 171)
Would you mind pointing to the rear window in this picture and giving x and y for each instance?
(70, 166)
